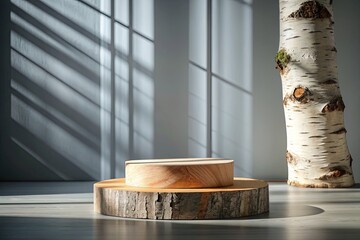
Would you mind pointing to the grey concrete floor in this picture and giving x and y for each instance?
(63, 210)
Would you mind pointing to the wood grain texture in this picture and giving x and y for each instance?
(246, 197)
(180, 173)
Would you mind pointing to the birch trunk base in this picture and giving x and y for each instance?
(246, 197)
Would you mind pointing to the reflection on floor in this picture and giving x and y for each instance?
(63, 210)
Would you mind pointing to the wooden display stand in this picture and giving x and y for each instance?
(181, 189)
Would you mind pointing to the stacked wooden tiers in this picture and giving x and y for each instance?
(188, 188)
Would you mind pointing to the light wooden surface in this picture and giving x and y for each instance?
(246, 197)
(180, 173)
(53, 210)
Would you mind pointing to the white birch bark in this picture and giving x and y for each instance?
(317, 152)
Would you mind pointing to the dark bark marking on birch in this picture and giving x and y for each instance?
(335, 104)
(290, 158)
(315, 136)
(330, 81)
(286, 100)
(340, 131)
(292, 37)
(311, 9)
(335, 172)
(351, 160)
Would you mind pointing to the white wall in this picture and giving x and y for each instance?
(347, 38)
(269, 136)
(51, 110)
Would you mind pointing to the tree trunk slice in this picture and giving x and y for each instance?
(180, 173)
(246, 197)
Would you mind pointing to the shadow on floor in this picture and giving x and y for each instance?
(68, 228)
(287, 210)
(37, 188)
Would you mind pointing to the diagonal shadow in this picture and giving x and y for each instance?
(49, 32)
(90, 142)
(57, 78)
(45, 188)
(54, 102)
(57, 54)
(44, 7)
(43, 150)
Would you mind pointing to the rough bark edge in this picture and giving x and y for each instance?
(320, 184)
(180, 205)
(312, 10)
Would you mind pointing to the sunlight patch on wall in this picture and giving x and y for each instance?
(197, 93)
(232, 83)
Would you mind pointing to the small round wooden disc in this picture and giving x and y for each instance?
(246, 197)
(180, 173)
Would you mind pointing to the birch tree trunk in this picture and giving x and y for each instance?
(317, 152)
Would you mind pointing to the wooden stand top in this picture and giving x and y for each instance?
(180, 173)
(180, 161)
(240, 184)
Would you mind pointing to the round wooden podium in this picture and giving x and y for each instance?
(173, 200)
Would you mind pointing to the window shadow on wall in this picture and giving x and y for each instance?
(81, 88)
(220, 81)
(55, 84)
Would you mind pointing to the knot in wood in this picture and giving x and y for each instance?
(300, 94)
(311, 9)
